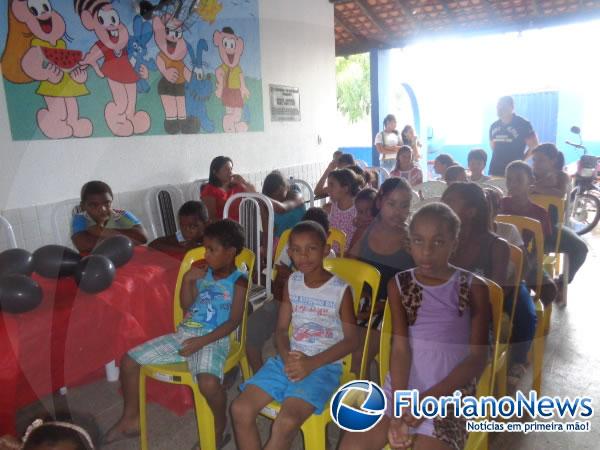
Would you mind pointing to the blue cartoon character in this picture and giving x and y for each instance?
(137, 50)
(200, 87)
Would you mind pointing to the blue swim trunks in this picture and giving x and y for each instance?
(316, 389)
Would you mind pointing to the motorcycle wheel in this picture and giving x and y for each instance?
(584, 213)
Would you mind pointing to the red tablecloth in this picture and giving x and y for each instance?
(72, 334)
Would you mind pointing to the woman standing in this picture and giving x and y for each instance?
(387, 143)
(410, 138)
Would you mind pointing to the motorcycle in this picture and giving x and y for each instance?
(584, 200)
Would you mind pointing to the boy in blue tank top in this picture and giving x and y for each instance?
(318, 308)
(212, 296)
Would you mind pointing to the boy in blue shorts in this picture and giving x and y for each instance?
(212, 297)
(318, 307)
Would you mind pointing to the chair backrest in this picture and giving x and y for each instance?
(358, 275)
(161, 205)
(516, 258)
(556, 207)
(382, 174)
(338, 237)
(498, 182)
(306, 189)
(283, 240)
(62, 215)
(496, 299)
(7, 235)
(431, 189)
(251, 220)
(192, 190)
(244, 262)
(535, 227)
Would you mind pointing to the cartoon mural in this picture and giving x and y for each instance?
(81, 68)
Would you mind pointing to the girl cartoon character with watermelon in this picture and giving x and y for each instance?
(45, 58)
(121, 116)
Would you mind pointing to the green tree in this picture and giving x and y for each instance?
(353, 81)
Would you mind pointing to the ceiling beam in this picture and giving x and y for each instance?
(348, 28)
(367, 12)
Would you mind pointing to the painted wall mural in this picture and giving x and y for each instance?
(97, 68)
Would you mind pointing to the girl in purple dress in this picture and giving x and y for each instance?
(440, 321)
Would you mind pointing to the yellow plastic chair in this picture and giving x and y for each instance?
(179, 374)
(516, 258)
(535, 227)
(556, 264)
(357, 274)
(476, 441)
(337, 237)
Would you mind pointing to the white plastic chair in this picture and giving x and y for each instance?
(421, 203)
(498, 182)
(62, 214)
(382, 174)
(306, 189)
(7, 239)
(161, 205)
(430, 189)
(192, 191)
(250, 219)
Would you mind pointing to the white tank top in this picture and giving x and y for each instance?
(316, 322)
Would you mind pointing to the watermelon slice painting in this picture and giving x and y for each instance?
(66, 59)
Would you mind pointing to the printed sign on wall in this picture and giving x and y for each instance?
(97, 68)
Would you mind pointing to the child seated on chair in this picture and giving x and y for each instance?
(406, 168)
(455, 174)
(193, 219)
(476, 160)
(319, 308)
(440, 318)
(288, 205)
(212, 296)
(99, 221)
(441, 164)
(519, 177)
(261, 323)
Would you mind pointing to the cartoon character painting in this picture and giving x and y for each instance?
(200, 87)
(138, 51)
(120, 114)
(168, 35)
(42, 56)
(231, 86)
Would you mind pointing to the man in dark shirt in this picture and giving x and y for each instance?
(509, 136)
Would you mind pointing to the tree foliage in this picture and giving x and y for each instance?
(353, 86)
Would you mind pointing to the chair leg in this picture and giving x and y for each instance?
(565, 277)
(547, 319)
(538, 349)
(143, 418)
(205, 421)
(314, 431)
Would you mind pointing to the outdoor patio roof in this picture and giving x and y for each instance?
(362, 25)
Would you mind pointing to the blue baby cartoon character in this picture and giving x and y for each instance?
(137, 50)
(200, 87)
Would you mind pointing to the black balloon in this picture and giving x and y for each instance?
(95, 273)
(119, 249)
(16, 261)
(53, 261)
(19, 294)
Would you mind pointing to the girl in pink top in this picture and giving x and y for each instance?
(405, 168)
(342, 187)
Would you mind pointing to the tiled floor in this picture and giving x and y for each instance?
(572, 367)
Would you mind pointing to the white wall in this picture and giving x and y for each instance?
(298, 49)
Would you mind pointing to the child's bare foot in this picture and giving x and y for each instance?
(123, 429)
